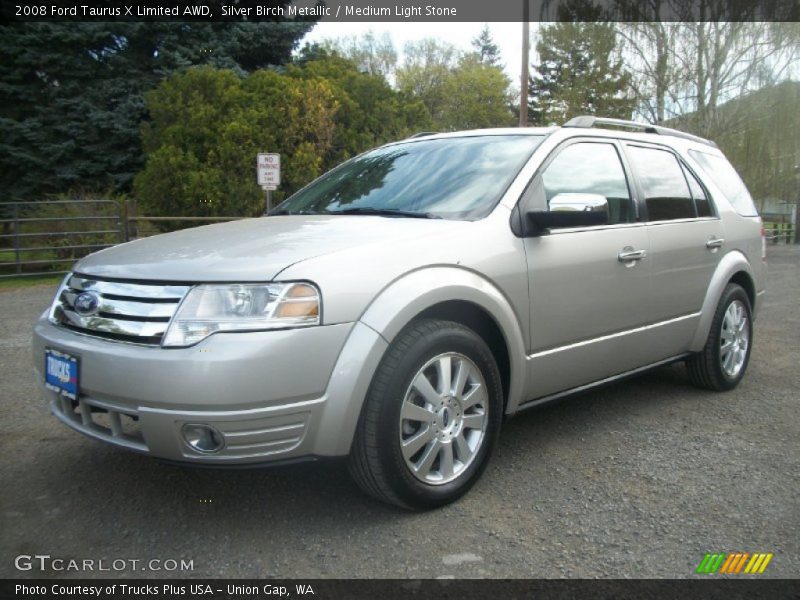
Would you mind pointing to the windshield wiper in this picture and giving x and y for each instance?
(281, 212)
(383, 212)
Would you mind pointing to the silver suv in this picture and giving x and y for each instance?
(399, 307)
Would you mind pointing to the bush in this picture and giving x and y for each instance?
(207, 127)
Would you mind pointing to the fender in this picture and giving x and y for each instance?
(390, 311)
(411, 294)
(730, 264)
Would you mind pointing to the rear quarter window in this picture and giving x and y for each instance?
(725, 177)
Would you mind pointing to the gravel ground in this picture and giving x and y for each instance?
(639, 479)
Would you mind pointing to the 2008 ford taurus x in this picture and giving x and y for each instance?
(396, 309)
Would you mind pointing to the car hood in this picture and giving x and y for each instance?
(251, 249)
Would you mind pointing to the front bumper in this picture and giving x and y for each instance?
(269, 394)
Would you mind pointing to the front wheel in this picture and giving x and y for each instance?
(723, 361)
(431, 417)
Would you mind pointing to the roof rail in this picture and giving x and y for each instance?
(589, 121)
(422, 134)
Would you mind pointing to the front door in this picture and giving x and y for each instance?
(589, 287)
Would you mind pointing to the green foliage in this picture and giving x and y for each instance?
(579, 73)
(72, 94)
(459, 92)
(207, 125)
(758, 134)
(488, 52)
(42, 236)
(371, 53)
(477, 96)
(369, 112)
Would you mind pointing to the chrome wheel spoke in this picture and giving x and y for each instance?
(462, 372)
(477, 395)
(416, 442)
(444, 367)
(463, 450)
(423, 467)
(726, 347)
(414, 412)
(474, 421)
(446, 461)
(424, 388)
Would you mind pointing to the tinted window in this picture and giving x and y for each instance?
(457, 178)
(666, 192)
(701, 201)
(727, 180)
(591, 168)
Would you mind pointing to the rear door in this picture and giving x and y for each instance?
(686, 240)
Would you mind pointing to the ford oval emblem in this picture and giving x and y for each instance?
(87, 304)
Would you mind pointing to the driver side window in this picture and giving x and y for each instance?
(591, 168)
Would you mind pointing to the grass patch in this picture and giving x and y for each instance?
(14, 283)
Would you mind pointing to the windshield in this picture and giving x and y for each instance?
(452, 178)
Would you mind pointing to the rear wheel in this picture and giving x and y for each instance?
(430, 418)
(723, 361)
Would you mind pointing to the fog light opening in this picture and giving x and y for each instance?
(203, 438)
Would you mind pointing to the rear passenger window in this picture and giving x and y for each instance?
(727, 180)
(666, 192)
(591, 168)
(701, 201)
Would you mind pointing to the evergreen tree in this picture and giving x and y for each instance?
(579, 73)
(72, 94)
(487, 51)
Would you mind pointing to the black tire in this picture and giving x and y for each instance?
(705, 368)
(376, 462)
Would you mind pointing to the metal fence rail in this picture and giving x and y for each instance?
(45, 237)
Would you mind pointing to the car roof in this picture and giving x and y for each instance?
(664, 136)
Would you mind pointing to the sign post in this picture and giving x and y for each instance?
(268, 169)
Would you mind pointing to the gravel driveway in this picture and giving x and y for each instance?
(639, 479)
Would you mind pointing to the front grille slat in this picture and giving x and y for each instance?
(129, 290)
(133, 312)
(128, 308)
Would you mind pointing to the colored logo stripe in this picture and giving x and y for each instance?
(733, 562)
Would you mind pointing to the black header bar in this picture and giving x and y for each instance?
(397, 10)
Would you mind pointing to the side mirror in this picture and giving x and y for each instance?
(569, 210)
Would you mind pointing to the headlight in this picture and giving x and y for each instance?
(242, 307)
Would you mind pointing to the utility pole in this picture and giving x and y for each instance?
(523, 81)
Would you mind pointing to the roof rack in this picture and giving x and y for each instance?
(423, 134)
(589, 121)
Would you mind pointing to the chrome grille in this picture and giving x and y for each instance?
(127, 311)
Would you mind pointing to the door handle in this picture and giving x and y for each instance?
(629, 254)
(715, 243)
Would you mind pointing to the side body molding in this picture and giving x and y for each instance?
(730, 264)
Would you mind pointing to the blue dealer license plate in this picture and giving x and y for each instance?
(61, 373)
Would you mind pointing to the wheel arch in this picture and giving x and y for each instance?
(464, 296)
(732, 268)
(447, 292)
(481, 322)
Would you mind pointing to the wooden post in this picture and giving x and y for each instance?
(16, 239)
